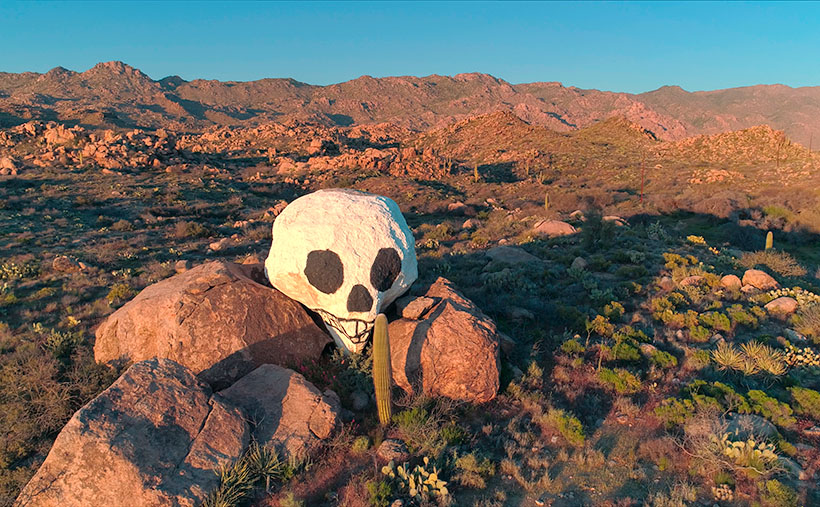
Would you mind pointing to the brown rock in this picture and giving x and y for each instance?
(289, 412)
(666, 284)
(413, 308)
(553, 228)
(153, 438)
(731, 282)
(782, 306)
(452, 353)
(216, 319)
(511, 255)
(759, 279)
(65, 264)
(393, 450)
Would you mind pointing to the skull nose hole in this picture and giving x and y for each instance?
(359, 299)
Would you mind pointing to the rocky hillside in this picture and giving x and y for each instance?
(115, 94)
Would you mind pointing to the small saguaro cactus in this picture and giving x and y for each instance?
(546, 200)
(382, 373)
(476, 176)
(769, 240)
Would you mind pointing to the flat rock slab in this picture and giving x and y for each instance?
(153, 438)
(453, 352)
(216, 319)
(288, 412)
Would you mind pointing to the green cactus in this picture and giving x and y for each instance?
(769, 240)
(546, 201)
(476, 176)
(381, 369)
(420, 484)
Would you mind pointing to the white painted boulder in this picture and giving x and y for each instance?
(344, 254)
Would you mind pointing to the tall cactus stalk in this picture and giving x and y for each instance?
(382, 369)
(769, 240)
(547, 201)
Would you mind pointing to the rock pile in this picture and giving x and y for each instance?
(158, 433)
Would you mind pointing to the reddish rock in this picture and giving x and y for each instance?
(289, 412)
(759, 279)
(731, 282)
(553, 228)
(453, 352)
(65, 264)
(153, 438)
(782, 306)
(413, 308)
(216, 319)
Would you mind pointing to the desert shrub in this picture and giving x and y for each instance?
(379, 493)
(421, 429)
(237, 480)
(566, 424)
(777, 412)
(741, 317)
(119, 293)
(699, 334)
(185, 229)
(681, 495)
(619, 379)
(613, 310)
(596, 231)
(471, 471)
(777, 494)
(808, 322)
(806, 402)
(663, 359)
(716, 321)
(779, 262)
(572, 347)
(122, 226)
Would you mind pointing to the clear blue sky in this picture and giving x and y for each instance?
(630, 47)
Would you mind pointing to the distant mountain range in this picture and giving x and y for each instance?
(115, 94)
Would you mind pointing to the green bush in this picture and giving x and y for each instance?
(717, 321)
(777, 412)
(663, 359)
(806, 402)
(572, 347)
(379, 493)
(567, 425)
(777, 494)
(472, 471)
(619, 379)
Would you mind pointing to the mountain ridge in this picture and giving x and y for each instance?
(133, 99)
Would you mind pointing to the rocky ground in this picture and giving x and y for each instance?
(630, 340)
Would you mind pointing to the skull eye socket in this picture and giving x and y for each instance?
(359, 300)
(324, 270)
(386, 269)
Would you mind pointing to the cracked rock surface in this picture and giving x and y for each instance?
(288, 411)
(153, 438)
(216, 319)
(451, 351)
(158, 433)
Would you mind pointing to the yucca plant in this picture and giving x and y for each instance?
(264, 463)
(765, 358)
(727, 357)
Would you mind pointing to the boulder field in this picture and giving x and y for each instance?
(210, 348)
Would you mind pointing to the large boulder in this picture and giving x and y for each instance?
(782, 306)
(216, 319)
(553, 228)
(512, 255)
(153, 438)
(759, 280)
(451, 352)
(289, 412)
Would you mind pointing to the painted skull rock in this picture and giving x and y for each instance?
(344, 254)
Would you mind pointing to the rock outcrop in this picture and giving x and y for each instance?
(153, 438)
(759, 280)
(452, 351)
(289, 413)
(218, 319)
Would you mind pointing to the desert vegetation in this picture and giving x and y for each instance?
(634, 371)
